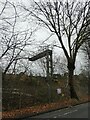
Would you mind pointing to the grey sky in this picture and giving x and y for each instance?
(42, 34)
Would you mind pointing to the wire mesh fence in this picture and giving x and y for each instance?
(34, 91)
(21, 94)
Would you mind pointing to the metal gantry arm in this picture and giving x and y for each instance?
(48, 54)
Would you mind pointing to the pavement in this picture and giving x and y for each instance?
(78, 111)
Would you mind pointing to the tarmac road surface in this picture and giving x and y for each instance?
(78, 111)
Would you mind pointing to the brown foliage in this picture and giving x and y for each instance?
(43, 108)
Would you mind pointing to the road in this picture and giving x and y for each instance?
(78, 111)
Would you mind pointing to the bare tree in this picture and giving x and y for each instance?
(3, 7)
(14, 42)
(86, 49)
(68, 21)
(86, 46)
(59, 64)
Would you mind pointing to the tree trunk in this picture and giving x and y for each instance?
(71, 68)
(71, 85)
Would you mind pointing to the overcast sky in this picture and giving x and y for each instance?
(43, 33)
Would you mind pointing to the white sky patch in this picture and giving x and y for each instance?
(42, 34)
